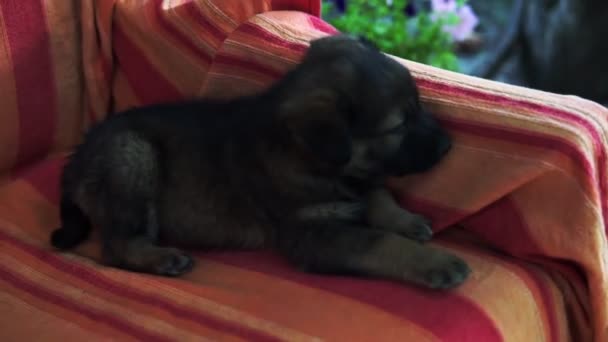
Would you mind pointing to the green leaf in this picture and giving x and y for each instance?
(418, 38)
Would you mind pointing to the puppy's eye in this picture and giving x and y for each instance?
(400, 128)
(346, 107)
(351, 117)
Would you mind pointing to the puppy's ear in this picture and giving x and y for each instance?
(337, 44)
(367, 42)
(314, 121)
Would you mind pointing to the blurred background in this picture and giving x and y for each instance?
(552, 45)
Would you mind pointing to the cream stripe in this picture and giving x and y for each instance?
(275, 23)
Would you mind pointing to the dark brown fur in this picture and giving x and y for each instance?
(298, 168)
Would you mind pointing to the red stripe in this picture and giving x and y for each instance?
(573, 274)
(322, 26)
(94, 315)
(547, 302)
(184, 40)
(498, 100)
(308, 6)
(314, 7)
(44, 177)
(440, 215)
(527, 138)
(446, 315)
(259, 33)
(443, 216)
(247, 65)
(554, 143)
(502, 225)
(98, 280)
(563, 146)
(205, 24)
(147, 83)
(30, 49)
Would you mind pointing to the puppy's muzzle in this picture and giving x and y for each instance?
(444, 146)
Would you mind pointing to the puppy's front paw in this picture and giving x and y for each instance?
(174, 263)
(445, 273)
(416, 227)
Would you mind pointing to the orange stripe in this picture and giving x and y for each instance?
(96, 68)
(118, 314)
(26, 30)
(49, 296)
(210, 273)
(88, 324)
(319, 313)
(61, 20)
(167, 19)
(39, 230)
(155, 295)
(339, 314)
(506, 299)
(124, 97)
(166, 56)
(23, 209)
(585, 126)
(554, 302)
(148, 84)
(422, 306)
(549, 301)
(39, 322)
(178, 328)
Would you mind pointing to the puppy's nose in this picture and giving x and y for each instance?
(445, 145)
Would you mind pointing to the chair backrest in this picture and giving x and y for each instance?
(65, 64)
(41, 83)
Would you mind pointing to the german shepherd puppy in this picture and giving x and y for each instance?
(299, 168)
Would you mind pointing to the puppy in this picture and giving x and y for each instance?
(298, 168)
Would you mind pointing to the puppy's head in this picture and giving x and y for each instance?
(357, 110)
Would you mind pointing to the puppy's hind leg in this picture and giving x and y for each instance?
(75, 226)
(130, 224)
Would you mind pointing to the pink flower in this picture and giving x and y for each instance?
(466, 25)
(443, 5)
(467, 20)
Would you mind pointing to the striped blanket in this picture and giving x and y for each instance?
(522, 196)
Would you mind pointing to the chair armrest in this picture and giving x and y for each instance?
(527, 174)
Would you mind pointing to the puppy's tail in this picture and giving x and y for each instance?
(75, 228)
